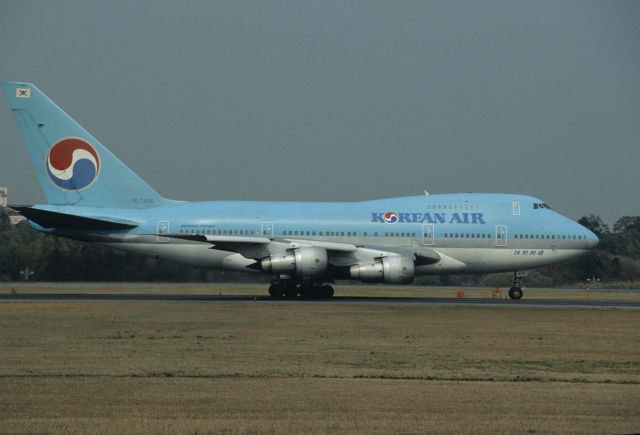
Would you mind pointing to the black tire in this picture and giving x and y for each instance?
(515, 293)
(326, 291)
(291, 291)
(308, 291)
(275, 291)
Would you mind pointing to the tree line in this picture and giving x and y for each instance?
(28, 254)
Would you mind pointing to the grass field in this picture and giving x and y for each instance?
(225, 367)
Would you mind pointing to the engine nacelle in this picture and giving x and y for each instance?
(390, 270)
(307, 261)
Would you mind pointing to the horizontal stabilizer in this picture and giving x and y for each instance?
(54, 219)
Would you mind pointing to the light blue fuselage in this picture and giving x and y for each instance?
(475, 232)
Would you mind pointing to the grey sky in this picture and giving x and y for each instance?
(342, 100)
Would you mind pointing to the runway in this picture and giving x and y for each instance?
(338, 300)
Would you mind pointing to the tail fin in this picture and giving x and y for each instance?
(73, 167)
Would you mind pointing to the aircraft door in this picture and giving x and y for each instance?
(163, 228)
(267, 229)
(501, 235)
(427, 234)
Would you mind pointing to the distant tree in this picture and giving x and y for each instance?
(595, 224)
(4, 219)
(627, 223)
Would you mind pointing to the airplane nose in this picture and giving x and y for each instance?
(592, 239)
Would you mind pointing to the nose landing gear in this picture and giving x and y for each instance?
(515, 292)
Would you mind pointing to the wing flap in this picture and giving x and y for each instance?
(247, 246)
(329, 246)
(221, 239)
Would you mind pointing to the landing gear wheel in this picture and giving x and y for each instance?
(515, 293)
(326, 291)
(291, 291)
(276, 290)
(308, 291)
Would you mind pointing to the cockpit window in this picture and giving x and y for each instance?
(541, 205)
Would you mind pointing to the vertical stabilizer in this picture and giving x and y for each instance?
(73, 167)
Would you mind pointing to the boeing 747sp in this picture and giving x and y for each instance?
(93, 197)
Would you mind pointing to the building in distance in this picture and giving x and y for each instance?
(14, 217)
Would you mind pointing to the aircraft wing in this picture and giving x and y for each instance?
(340, 254)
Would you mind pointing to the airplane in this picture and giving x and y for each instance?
(305, 246)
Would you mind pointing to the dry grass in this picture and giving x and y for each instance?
(198, 367)
(130, 405)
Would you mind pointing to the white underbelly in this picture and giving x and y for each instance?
(474, 260)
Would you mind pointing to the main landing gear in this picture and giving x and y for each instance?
(307, 290)
(515, 292)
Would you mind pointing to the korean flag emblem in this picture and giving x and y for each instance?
(23, 93)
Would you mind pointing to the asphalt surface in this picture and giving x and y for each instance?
(337, 300)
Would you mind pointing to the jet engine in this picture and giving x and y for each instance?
(390, 270)
(307, 261)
